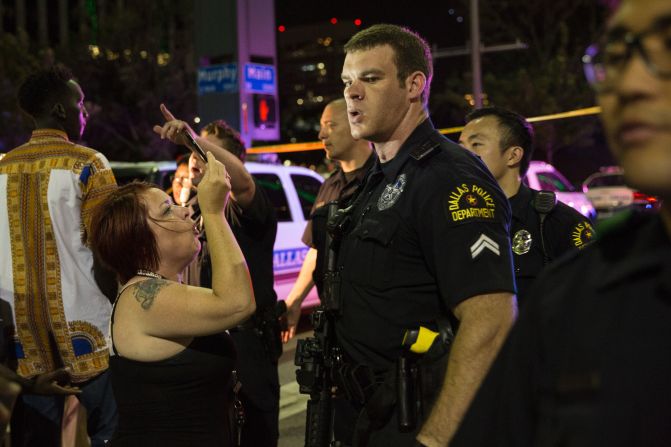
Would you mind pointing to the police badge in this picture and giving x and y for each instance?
(521, 242)
(391, 193)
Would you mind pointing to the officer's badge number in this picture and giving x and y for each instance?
(469, 201)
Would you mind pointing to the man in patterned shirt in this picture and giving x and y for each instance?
(49, 188)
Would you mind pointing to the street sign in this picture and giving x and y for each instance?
(218, 78)
(260, 78)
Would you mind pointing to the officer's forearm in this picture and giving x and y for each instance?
(304, 282)
(475, 346)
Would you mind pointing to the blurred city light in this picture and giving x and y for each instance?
(94, 50)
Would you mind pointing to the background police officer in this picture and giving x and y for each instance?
(427, 240)
(354, 157)
(504, 141)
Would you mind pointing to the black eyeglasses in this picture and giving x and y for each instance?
(604, 62)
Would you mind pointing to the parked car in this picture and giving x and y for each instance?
(609, 193)
(544, 176)
(291, 189)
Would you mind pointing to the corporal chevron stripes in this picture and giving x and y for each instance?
(483, 243)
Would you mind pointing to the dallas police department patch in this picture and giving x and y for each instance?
(391, 193)
(521, 242)
(582, 234)
(470, 201)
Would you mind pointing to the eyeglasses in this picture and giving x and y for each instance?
(604, 62)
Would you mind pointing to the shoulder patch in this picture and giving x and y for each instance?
(469, 201)
(582, 234)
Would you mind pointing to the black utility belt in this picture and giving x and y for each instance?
(409, 389)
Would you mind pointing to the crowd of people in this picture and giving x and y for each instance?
(465, 311)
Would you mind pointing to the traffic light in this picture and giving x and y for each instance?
(264, 111)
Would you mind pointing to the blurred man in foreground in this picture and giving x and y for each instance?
(588, 361)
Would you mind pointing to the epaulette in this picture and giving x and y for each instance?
(428, 147)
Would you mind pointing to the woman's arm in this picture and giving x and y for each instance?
(176, 310)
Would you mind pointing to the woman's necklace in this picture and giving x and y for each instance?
(149, 274)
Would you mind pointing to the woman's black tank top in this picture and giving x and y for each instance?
(180, 401)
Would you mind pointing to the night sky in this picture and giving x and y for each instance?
(438, 24)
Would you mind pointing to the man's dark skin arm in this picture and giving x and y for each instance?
(52, 383)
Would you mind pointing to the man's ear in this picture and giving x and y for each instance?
(515, 155)
(58, 111)
(416, 83)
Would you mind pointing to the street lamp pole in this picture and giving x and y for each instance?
(476, 68)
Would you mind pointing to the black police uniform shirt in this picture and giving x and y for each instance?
(255, 229)
(429, 231)
(589, 361)
(564, 229)
(339, 186)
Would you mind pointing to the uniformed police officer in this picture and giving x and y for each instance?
(427, 240)
(354, 157)
(542, 228)
(588, 362)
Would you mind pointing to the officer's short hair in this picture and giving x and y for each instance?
(42, 89)
(515, 131)
(411, 52)
(230, 137)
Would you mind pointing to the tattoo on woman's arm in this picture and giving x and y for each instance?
(146, 291)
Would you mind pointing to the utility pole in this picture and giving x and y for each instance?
(476, 68)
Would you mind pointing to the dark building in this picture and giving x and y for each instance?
(310, 61)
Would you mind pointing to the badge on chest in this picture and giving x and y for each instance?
(521, 243)
(391, 193)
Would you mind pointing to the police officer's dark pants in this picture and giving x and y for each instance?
(36, 420)
(260, 394)
(345, 423)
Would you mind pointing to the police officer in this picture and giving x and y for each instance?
(542, 228)
(425, 241)
(588, 362)
(254, 224)
(355, 157)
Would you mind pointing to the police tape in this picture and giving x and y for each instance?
(317, 145)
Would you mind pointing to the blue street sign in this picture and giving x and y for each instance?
(218, 78)
(260, 78)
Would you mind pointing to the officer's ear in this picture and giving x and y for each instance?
(515, 155)
(415, 85)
